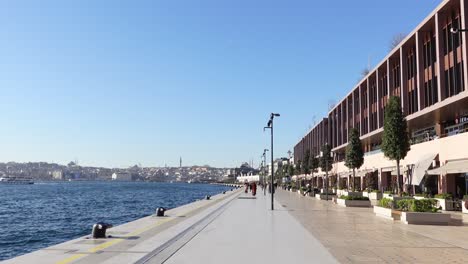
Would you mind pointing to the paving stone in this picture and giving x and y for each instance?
(356, 235)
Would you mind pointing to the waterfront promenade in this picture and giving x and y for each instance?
(248, 231)
(356, 235)
(229, 228)
(236, 227)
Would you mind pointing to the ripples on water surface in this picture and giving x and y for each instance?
(43, 214)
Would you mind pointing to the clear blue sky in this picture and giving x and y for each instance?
(117, 83)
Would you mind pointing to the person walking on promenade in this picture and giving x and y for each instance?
(254, 188)
(246, 187)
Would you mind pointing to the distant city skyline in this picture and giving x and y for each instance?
(118, 84)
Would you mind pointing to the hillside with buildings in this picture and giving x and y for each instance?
(43, 171)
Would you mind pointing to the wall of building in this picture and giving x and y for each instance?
(428, 70)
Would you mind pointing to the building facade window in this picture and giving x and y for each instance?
(453, 72)
(430, 88)
(412, 95)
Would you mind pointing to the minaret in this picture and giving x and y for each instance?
(180, 162)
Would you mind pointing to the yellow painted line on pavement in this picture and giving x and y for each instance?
(70, 259)
(118, 240)
(105, 245)
(112, 242)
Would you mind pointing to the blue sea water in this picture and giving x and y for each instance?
(43, 214)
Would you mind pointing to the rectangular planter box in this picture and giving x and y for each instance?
(414, 218)
(322, 196)
(365, 194)
(387, 195)
(353, 203)
(397, 198)
(447, 205)
(383, 212)
(375, 196)
(464, 210)
(354, 194)
(339, 192)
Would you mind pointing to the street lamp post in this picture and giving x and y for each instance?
(270, 126)
(264, 173)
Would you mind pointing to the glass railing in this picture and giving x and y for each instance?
(372, 152)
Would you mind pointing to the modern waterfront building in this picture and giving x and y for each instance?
(57, 174)
(278, 164)
(121, 176)
(428, 71)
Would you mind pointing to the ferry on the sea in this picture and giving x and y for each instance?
(15, 180)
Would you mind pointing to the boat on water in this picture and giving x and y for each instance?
(15, 180)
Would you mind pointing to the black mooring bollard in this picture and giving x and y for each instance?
(208, 197)
(160, 211)
(99, 230)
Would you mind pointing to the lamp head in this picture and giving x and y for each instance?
(454, 30)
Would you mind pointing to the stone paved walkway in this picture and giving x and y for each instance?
(249, 232)
(356, 235)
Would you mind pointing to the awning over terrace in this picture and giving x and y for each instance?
(388, 169)
(345, 174)
(363, 173)
(451, 167)
(420, 168)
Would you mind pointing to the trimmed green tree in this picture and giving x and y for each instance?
(298, 168)
(305, 166)
(354, 154)
(326, 160)
(306, 163)
(314, 165)
(395, 140)
(290, 170)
